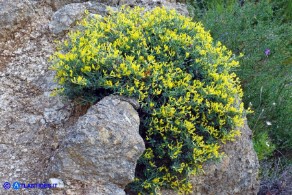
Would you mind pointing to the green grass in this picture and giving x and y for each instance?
(252, 29)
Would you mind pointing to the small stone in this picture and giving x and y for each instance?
(236, 190)
(59, 182)
(65, 17)
(43, 121)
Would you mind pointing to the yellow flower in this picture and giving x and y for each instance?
(155, 180)
(189, 125)
(108, 83)
(130, 58)
(135, 67)
(80, 80)
(165, 48)
(61, 81)
(203, 52)
(135, 35)
(150, 58)
(86, 69)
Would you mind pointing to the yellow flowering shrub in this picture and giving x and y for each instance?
(189, 97)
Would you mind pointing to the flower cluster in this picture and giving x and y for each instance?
(190, 100)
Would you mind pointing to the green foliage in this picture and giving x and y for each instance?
(283, 9)
(190, 100)
(263, 146)
(199, 7)
(266, 67)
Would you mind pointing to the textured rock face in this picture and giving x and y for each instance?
(26, 138)
(13, 14)
(41, 137)
(235, 174)
(65, 18)
(102, 147)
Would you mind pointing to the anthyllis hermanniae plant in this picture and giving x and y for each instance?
(190, 100)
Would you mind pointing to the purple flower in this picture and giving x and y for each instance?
(267, 52)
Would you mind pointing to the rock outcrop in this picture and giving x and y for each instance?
(66, 17)
(26, 138)
(46, 139)
(101, 148)
(13, 15)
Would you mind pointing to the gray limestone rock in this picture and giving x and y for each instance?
(64, 18)
(102, 147)
(67, 16)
